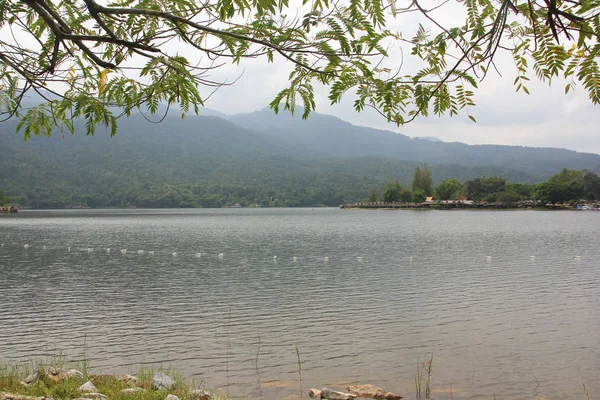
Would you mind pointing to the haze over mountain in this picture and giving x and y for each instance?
(256, 158)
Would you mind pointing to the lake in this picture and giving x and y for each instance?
(508, 302)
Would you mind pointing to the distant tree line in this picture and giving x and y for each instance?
(565, 186)
(3, 199)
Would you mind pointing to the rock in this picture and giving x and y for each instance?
(50, 373)
(97, 396)
(129, 379)
(10, 396)
(366, 391)
(335, 395)
(314, 393)
(133, 390)
(32, 377)
(372, 392)
(72, 373)
(198, 394)
(171, 397)
(88, 387)
(162, 381)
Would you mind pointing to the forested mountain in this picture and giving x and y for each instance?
(210, 161)
(325, 135)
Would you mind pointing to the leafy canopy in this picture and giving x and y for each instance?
(100, 60)
(448, 189)
(422, 180)
(391, 192)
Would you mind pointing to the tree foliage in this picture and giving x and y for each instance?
(98, 61)
(448, 189)
(372, 196)
(564, 186)
(3, 199)
(418, 196)
(391, 192)
(422, 180)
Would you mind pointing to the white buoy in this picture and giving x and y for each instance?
(124, 251)
(294, 259)
(532, 257)
(2, 245)
(326, 259)
(359, 258)
(221, 255)
(151, 252)
(25, 246)
(44, 247)
(140, 251)
(488, 257)
(198, 255)
(69, 249)
(175, 254)
(274, 257)
(89, 249)
(578, 257)
(108, 250)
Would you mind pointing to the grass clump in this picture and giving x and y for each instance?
(61, 381)
(423, 379)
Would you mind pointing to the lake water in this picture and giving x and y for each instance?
(509, 302)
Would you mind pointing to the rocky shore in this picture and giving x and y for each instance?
(50, 383)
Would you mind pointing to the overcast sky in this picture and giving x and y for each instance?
(545, 118)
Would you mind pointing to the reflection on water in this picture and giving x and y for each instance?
(508, 301)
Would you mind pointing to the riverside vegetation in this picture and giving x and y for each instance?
(56, 380)
(570, 186)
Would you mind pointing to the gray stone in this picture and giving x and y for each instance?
(72, 373)
(97, 396)
(171, 397)
(335, 395)
(198, 394)
(162, 381)
(133, 390)
(10, 396)
(88, 387)
(32, 377)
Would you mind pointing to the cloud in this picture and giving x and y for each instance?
(544, 118)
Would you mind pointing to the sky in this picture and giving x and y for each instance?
(545, 118)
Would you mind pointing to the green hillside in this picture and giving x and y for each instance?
(209, 161)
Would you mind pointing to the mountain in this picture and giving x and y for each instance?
(325, 135)
(257, 158)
